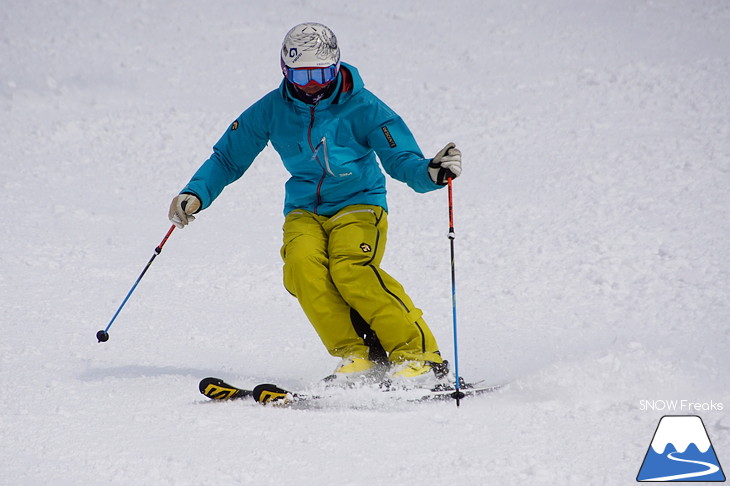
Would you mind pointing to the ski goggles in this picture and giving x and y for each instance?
(305, 75)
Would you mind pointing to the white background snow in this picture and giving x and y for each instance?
(592, 241)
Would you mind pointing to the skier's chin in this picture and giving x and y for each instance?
(313, 89)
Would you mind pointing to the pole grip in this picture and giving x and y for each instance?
(452, 234)
(164, 240)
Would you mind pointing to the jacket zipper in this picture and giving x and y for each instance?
(314, 151)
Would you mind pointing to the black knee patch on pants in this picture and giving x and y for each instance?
(377, 353)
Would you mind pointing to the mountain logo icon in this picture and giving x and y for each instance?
(680, 451)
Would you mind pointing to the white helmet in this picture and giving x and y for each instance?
(310, 45)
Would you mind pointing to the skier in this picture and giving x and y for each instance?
(327, 129)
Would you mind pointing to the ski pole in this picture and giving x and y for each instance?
(458, 394)
(103, 335)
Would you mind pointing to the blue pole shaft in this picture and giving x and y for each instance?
(157, 252)
(457, 394)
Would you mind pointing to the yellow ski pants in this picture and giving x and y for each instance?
(332, 264)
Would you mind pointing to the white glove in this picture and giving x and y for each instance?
(446, 164)
(182, 208)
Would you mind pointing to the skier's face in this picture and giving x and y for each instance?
(311, 80)
(312, 88)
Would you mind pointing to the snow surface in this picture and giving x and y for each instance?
(592, 241)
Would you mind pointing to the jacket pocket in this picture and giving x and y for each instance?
(347, 153)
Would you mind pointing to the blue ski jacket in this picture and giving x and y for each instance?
(328, 148)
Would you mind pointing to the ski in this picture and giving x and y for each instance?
(267, 393)
(465, 390)
(217, 389)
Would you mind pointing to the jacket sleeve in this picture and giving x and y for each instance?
(398, 150)
(232, 155)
